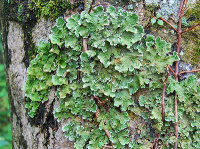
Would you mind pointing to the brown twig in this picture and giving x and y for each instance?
(99, 101)
(163, 97)
(183, 8)
(85, 39)
(98, 113)
(163, 107)
(156, 141)
(168, 24)
(85, 44)
(106, 146)
(177, 71)
(190, 28)
(189, 71)
(180, 8)
(176, 118)
(179, 32)
(171, 70)
(90, 7)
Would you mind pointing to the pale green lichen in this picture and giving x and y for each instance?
(121, 72)
(168, 8)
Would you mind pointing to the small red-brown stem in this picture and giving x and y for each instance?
(171, 70)
(183, 8)
(189, 71)
(101, 102)
(98, 113)
(90, 6)
(163, 97)
(84, 49)
(163, 107)
(177, 71)
(106, 146)
(85, 39)
(179, 32)
(156, 141)
(85, 44)
(168, 24)
(190, 28)
(107, 133)
(180, 8)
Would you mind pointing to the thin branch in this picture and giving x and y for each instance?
(104, 146)
(171, 70)
(101, 102)
(163, 107)
(85, 39)
(163, 97)
(90, 7)
(156, 141)
(97, 114)
(168, 24)
(189, 71)
(183, 8)
(85, 44)
(107, 133)
(176, 144)
(177, 72)
(176, 118)
(190, 28)
(180, 8)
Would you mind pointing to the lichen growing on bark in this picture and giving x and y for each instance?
(168, 8)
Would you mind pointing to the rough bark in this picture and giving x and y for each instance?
(43, 131)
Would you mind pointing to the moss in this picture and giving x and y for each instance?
(191, 39)
(150, 8)
(194, 12)
(191, 44)
(20, 8)
(51, 8)
(119, 2)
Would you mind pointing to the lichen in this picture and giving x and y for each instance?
(118, 78)
(190, 40)
(167, 8)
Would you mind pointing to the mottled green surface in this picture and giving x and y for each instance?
(121, 67)
(52, 8)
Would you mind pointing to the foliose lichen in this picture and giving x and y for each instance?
(121, 72)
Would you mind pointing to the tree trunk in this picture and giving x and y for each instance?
(42, 131)
(18, 38)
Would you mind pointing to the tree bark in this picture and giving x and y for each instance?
(43, 131)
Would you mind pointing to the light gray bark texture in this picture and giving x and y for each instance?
(41, 132)
(48, 134)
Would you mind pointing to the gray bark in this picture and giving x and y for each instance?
(43, 131)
